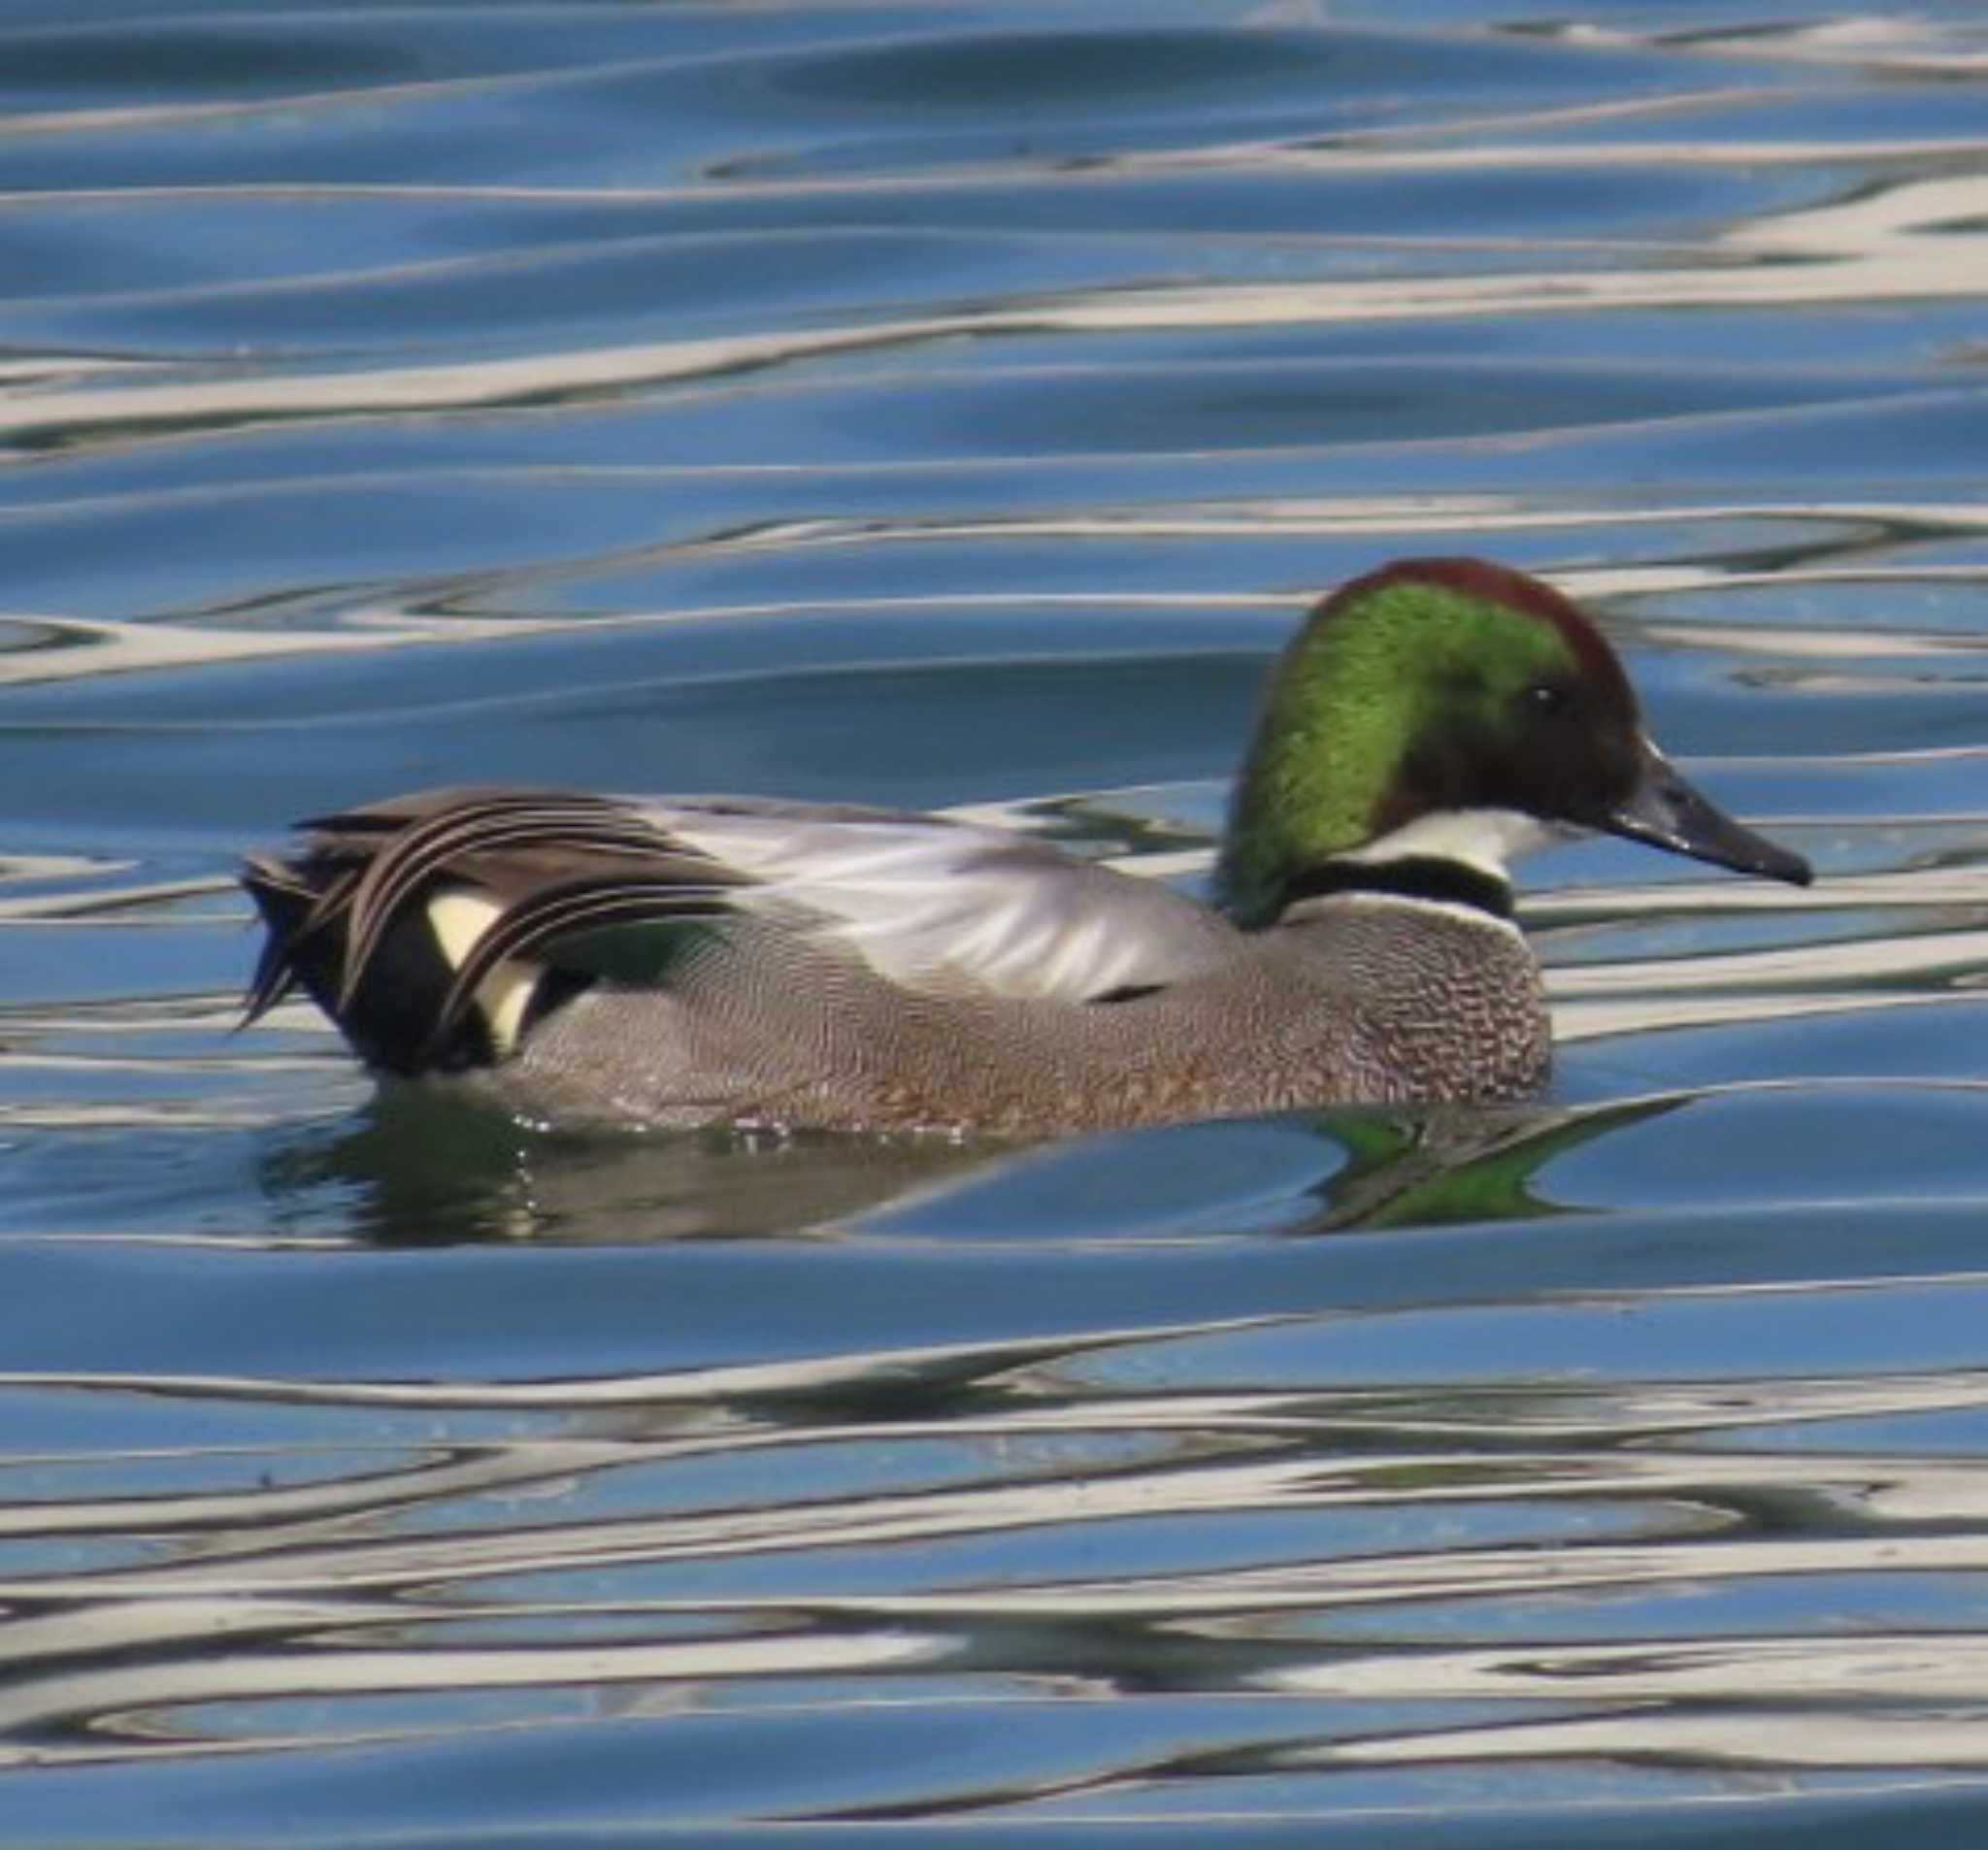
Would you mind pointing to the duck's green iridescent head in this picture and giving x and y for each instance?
(1453, 688)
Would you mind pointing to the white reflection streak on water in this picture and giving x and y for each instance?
(1431, 514)
(287, 1541)
(1888, 246)
(279, 1571)
(1235, 1604)
(106, 1696)
(1590, 1000)
(1874, 1667)
(1749, 1732)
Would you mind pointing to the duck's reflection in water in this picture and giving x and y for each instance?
(421, 1165)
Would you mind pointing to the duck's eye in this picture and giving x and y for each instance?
(1546, 699)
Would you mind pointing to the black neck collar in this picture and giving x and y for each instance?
(1412, 876)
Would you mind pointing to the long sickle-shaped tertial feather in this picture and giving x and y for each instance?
(500, 824)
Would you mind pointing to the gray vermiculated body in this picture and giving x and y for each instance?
(1366, 1000)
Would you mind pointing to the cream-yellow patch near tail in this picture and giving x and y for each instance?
(459, 917)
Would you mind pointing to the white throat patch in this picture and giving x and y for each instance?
(1485, 841)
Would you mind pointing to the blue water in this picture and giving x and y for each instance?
(955, 406)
